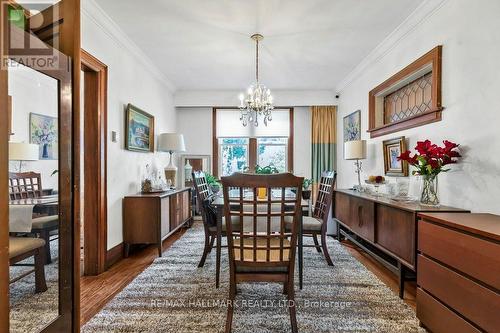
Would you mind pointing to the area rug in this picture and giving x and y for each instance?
(174, 295)
(30, 311)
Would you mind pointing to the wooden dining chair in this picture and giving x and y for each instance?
(25, 185)
(28, 185)
(316, 225)
(262, 249)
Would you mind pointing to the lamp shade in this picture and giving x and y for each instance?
(171, 142)
(20, 151)
(355, 150)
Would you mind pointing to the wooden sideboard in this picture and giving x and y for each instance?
(458, 281)
(150, 218)
(385, 228)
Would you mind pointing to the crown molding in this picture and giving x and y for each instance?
(95, 13)
(425, 10)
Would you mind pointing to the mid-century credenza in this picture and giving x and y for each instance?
(385, 228)
(150, 218)
(458, 279)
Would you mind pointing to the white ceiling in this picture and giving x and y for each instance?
(308, 44)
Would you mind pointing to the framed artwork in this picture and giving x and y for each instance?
(44, 133)
(392, 149)
(139, 130)
(352, 126)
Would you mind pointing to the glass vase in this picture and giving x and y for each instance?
(429, 194)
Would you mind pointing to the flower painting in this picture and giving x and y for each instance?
(393, 165)
(139, 130)
(352, 126)
(44, 133)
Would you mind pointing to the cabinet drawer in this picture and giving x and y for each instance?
(342, 208)
(363, 218)
(478, 304)
(438, 318)
(396, 231)
(474, 256)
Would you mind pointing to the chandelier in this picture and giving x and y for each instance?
(258, 100)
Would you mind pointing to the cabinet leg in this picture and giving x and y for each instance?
(126, 250)
(159, 249)
(401, 280)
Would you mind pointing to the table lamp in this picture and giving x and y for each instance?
(20, 151)
(171, 143)
(356, 150)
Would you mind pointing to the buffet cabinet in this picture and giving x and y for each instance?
(385, 228)
(151, 218)
(458, 280)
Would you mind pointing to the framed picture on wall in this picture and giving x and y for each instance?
(352, 126)
(139, 130)
(44, 133)
(392, 149)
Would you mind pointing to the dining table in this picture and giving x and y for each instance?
(45, 205)
(218, 204)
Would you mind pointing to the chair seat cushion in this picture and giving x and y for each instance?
(308, 224)
(235, 224)
(261, 252)
(21, 245)
(45, 222)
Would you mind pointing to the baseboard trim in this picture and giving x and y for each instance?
(114, 255)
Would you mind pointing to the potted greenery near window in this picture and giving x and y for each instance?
(306, 189)
(213, 182)
(267, 170)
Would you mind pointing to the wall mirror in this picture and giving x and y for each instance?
(191, 163)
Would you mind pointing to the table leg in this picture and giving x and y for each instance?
(301, 257)
(220, 211)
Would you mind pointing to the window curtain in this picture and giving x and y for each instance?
(323, 150)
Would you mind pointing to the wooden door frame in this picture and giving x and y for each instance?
(252, 143)
(95, 206)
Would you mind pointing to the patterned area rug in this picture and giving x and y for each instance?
(174, 295)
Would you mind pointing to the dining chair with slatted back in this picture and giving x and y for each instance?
(262, 249)
(24, 185)
(203, 194)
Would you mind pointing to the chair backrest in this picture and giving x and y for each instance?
(264, 239)
(25, 185)
(324, 198)
(203, 192)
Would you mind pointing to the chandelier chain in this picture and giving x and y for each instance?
(257, 61)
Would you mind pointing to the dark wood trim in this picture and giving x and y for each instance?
(114, 255)
(433, 57)
(215, 145)
(95, 150)
(252, 156)
(252, 160)
(4, 176)
(290, 141)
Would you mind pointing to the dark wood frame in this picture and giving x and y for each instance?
(252, 142)
(401, 141)
(130, 107)
(95, 77)
(68, 77)
(433, 57)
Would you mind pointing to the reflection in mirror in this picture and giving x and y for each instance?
(33, 209)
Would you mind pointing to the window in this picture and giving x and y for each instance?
(237, 148)
(272, 151)
(234, 155)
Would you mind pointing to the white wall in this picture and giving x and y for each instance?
(469, 33)
(196, 125)
(35, 92)
(131, 80)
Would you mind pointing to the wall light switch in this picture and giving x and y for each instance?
(114, 136)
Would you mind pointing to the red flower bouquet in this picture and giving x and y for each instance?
(431, 158)
(429, 161)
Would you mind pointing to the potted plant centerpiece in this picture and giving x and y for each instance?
(306, 188)
(429, 162)
(213, 183)
(267, 170)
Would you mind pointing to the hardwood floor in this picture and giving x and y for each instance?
(96, 291)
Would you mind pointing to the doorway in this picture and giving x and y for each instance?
(93, 164)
